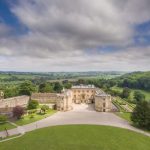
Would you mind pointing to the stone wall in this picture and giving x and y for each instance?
(45, 97)
(6, 105)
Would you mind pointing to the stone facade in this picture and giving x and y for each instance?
(83, 94)
(6, 105)
(90, 94)
(63, 101)
(77, 94)
(103, 103)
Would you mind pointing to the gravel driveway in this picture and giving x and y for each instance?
(81, 114)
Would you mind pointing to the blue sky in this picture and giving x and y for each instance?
(8, 18)
(67, 35)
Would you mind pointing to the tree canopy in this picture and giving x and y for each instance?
(141, 114)
(26, 88)
(138, 96)
(45, 88)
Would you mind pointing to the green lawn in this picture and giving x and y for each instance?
(124, 115)
(27, 119)
(7, 126)
(79, 137)
(147, 94)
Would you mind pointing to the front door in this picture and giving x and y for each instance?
(83, 98)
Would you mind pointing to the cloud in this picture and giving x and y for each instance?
(4, 30)
(131, 59)
(68, 35)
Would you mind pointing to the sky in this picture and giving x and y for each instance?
(74, 35)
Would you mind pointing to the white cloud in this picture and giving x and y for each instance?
(62, 32)
(131, 59)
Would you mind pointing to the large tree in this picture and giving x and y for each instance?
(126, 93)
(45, 88)
(138, 96)
(68, 85)
(141, 114)
(27, 88)
(10, 92)
(58, 87)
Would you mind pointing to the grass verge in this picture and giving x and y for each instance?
(28, 119)
(7, 126)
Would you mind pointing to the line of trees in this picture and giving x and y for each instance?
(140, 83)
(27, 87)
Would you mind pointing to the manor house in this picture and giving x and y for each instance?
(62, 101)
(77, 94)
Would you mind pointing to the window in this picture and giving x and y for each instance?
(104, 105)
(103, 110)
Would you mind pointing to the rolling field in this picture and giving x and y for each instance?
(146, 93)
(79, 137)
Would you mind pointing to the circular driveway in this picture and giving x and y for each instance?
(84, 114)
(81, 114)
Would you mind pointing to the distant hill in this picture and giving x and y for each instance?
(136, 75)
(136, 80)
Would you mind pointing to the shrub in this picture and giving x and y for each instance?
(32, 111)
(44, 108)
(18, 111)
(3, 119)
(33, 104)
